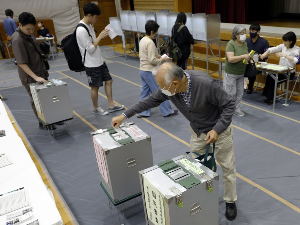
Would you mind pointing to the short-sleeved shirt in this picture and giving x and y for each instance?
(93, 56)
(10, 26)
(239, 67)
(259, 46)
(25, 53)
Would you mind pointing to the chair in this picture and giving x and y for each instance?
(8, 44)
(296, 79)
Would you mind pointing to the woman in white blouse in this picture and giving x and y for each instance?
(289, 56)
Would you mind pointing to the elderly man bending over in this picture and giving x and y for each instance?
(208, 108)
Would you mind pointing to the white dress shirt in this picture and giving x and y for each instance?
(93, 57)
(294, 52)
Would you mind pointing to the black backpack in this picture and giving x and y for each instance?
(72, 52)
(174, 51)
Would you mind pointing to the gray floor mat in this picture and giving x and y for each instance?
(72, 165)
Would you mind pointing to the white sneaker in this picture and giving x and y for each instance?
(100, 111)
(239, 112)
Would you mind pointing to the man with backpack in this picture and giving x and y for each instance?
(96, 69)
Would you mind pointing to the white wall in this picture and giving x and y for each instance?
(64, 13)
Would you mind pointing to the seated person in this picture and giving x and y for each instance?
(43, 31)
(289, 56)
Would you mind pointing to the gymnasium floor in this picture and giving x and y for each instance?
(266, 144)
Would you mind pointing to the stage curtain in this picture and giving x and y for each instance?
(204, 6)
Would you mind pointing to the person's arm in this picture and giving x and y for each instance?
(226, 102)
(152, 54)
(13, 24)
(272, 50)
(27, 70)
(149, 102)
(188, 36)
(85, 40)
(294, 59)
(231, 57)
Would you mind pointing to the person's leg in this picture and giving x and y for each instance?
(165, 107)
(31, 100)
(245, 82)
(94, 96)
(225, 156)
(145, 91)
(229, 84)
(179, 62)
(108, 92)
(270, 83)
(239, 91)
(251, 84)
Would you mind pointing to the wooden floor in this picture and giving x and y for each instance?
(279, 23)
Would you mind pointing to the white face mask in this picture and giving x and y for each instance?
(243, 37)
(167, 92)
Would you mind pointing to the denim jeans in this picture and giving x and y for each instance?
(150, 86)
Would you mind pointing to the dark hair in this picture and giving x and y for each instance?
(8, 12)
(91, 8)
(181, 18)
(290, 36)
(41, 23)
(26, 18)
(151, 25)
(254, 26)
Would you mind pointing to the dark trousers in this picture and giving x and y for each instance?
(31, 100)
(182, 63)
(251, 82)
(270, 83)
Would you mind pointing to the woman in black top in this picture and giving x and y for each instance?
(42, 32)
(183, 40)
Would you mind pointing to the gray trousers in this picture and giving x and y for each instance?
(234, 85)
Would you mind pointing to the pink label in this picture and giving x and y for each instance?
(100, 157)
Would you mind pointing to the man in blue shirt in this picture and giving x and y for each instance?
(259, 45)
(10, 25)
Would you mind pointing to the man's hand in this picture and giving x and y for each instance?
(41, 80)
(117, 121)
(103, 34)
(211, 137)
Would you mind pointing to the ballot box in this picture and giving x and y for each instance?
(180, 191)
(52, 101)
(121, 153)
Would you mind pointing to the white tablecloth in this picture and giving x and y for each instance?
(23, 173)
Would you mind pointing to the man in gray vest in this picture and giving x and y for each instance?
(208, 108)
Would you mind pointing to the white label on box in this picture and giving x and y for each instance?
(100, 156)
(135, 132)
(191, 166)
(154, 204)
(35, 98)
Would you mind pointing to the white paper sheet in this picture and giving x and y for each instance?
(112, 34)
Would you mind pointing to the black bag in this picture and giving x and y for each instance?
(211, 163)
(44, 46)
(174, 51)
(250, 70)
(72, 52)
(44, 59)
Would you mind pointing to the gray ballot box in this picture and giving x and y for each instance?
(121, 153)
(52, 101)
(180, 191)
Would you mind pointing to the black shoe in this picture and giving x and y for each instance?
(231, 211)
(249, 91)
(16, 62)
(173, 113)
(268, 101)
(51, 127)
